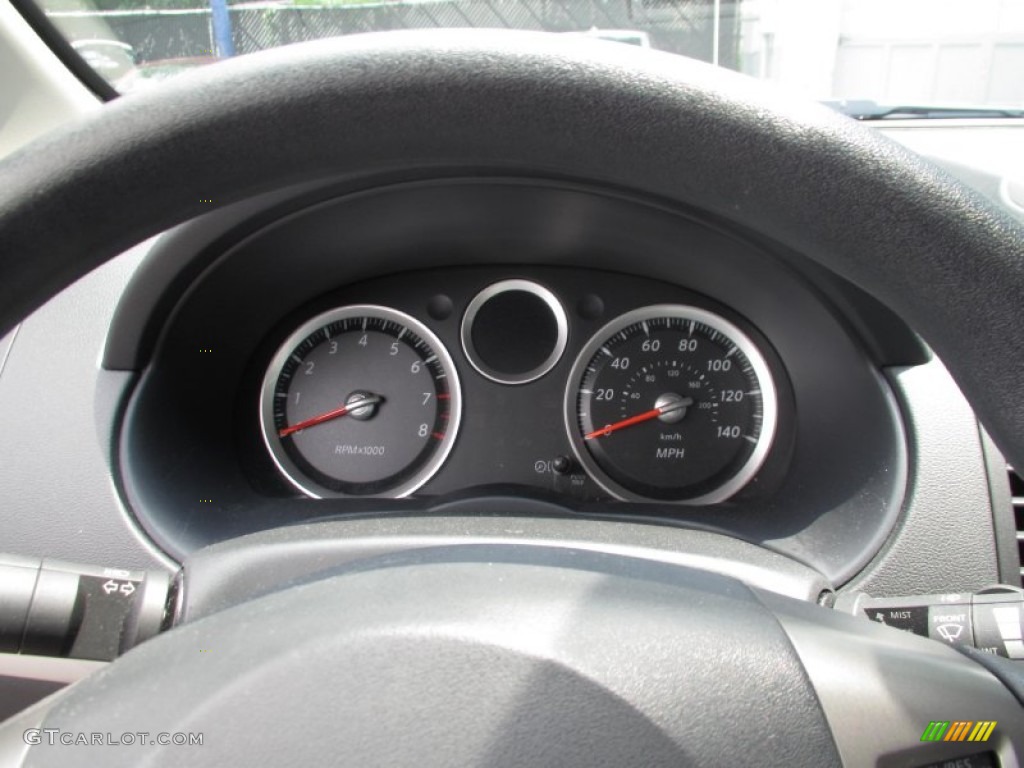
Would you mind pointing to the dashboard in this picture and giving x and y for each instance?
(873, 449)
(470, 344)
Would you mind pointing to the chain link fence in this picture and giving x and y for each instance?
(679, 26)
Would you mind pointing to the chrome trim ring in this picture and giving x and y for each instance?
(283, 462)
(769, 402)
(488, 293)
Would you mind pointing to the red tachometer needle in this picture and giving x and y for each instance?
(640, 418)
(353, 405)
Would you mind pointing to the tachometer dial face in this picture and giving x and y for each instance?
(360, 401)
(672, 403)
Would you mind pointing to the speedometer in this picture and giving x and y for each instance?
(671, 403)
(360, 401)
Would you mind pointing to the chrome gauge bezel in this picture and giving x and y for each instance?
(496, 289)
(295, 476)
(762, 372)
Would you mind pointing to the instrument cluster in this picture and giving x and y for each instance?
(589, 383)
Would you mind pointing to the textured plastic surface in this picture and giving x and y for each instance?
(880, 687)
(562, 657)
(548, 658)
(178, 257)
(16, 586)
(242, 569)
(26, 679)
(792, 171)
(1004, 522)
(1010, 673)
(937, 545)
(57, 412)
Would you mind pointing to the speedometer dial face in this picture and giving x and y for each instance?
(673, 403)
(360, 401)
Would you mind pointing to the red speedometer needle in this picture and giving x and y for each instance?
(640, 418)
(353, 405)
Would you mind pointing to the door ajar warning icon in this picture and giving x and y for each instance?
(958, 730)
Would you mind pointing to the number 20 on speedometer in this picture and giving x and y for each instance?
(672, 403)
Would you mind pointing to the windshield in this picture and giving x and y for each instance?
(871, 58)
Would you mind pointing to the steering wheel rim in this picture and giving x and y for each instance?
(792, 172)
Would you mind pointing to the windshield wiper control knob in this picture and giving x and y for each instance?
(991, 620)
(52, 608)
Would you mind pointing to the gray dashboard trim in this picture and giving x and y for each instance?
(176, 258)
(56, 464)
(1003, 514)
(944, 540)
(5, 346)
(47, 668)
(242, 569)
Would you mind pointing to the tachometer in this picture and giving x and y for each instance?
(672, 403)
(360, 401)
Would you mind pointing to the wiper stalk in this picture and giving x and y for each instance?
(863, 109)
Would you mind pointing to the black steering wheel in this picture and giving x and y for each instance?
(505, 656)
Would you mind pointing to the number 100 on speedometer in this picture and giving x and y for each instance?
(672, 403)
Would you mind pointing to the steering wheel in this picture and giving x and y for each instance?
(521, 656)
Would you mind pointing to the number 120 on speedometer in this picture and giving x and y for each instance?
(673, 403)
